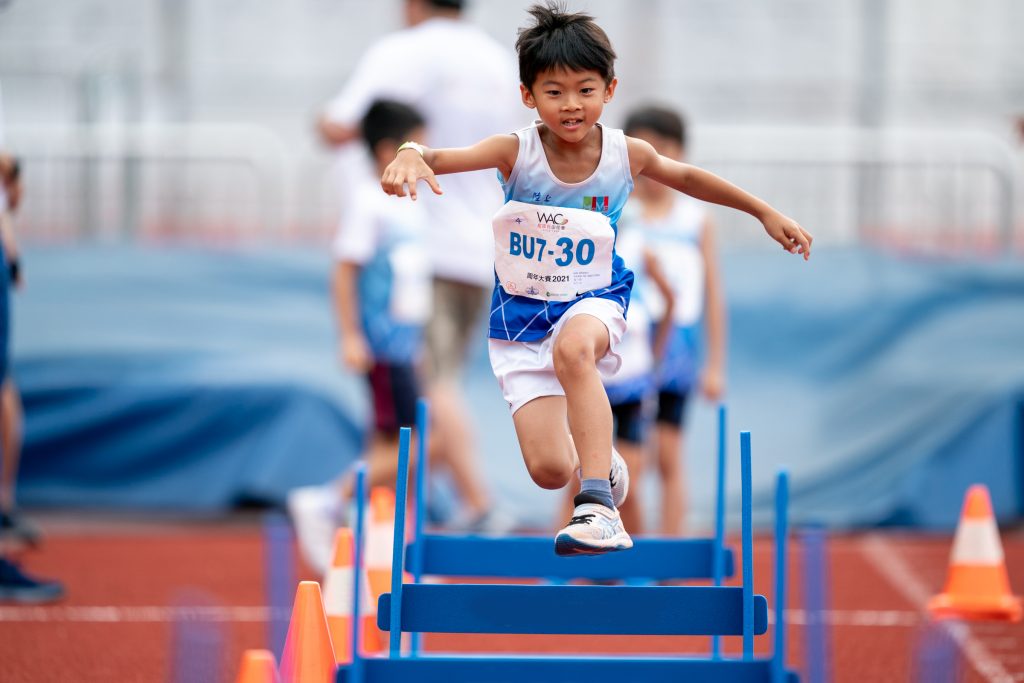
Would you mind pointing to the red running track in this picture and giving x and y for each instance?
(125, 579)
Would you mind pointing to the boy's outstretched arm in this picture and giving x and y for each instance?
(409, 167)
(708, 187)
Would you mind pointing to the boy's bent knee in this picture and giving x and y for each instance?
(549, 475)
(573, 355)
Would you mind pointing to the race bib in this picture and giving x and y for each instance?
(552, 253)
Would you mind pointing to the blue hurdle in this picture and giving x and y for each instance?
(645, 610)
(525, 556)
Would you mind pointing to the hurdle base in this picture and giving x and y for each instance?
(485, 669)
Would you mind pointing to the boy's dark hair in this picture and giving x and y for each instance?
(661, 120)
(447, 4)
(559, 39)
(389, 120)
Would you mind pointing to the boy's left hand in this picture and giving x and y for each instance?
(407, 168)
(788, 233)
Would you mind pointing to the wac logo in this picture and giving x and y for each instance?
(556, 218)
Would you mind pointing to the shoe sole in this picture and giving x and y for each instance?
(566, 545)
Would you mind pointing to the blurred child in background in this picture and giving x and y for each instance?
(382, 298)
(15, 584)
(678, 233)
(12, 523)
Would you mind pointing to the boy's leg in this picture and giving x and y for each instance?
(544, 440)
(579, 344)
(595, 526)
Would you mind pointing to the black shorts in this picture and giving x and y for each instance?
(395, 389)
(629, 421)
(671, 408)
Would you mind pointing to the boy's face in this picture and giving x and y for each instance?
(569, 102)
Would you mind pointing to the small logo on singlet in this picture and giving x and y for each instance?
(556, 218)
(596, 203)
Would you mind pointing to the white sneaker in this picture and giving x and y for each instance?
(315, 513)
(618, 478)
(593, 529)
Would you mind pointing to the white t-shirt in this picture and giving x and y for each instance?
(465, 84)
(386, 237)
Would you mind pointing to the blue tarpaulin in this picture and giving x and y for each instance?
(195, 379)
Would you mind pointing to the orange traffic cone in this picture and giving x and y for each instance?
(380, 531)
(338, 602)
(258, 666)
(308, 655)
(977, 586)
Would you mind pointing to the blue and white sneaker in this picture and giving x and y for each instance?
(593, 529)
(618, 478)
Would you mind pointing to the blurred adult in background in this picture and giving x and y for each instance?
(15, 584)
(465, 83)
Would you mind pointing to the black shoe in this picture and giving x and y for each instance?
(17, 586)
(15, 525)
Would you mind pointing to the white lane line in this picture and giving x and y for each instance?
(856, 617)
(159, 614)
(885, 557)
(137, 614)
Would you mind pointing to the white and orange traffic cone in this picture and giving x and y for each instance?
(380, 544)
(977, 586)
(338, 602)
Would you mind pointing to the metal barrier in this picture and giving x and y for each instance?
(916, 189)
(934, 189)
(195, 181)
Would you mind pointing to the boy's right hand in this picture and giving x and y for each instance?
(355, 354)
(407, 169)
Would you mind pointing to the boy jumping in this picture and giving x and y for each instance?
(561, 293)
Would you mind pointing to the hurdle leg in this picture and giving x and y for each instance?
(357, 571)
(718, 557)
(781, 531)
(416, 559)
(748, 548)
(398, 554)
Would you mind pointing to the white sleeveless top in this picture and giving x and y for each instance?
(675, 241)
(555, 241)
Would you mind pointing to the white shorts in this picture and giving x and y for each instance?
(526, 370)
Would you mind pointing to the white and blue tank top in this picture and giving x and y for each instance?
(551, 250)
(675, 241)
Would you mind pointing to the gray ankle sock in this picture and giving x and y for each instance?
(597, 491)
